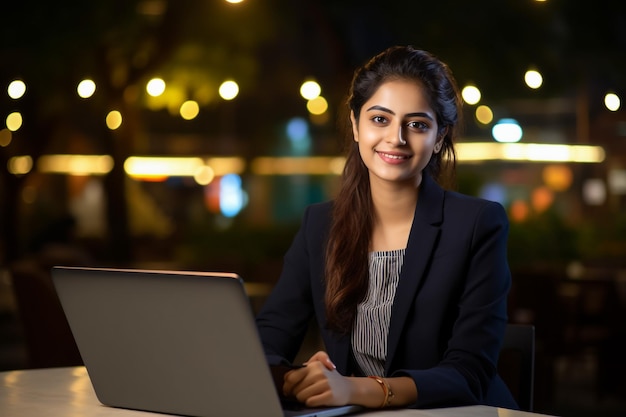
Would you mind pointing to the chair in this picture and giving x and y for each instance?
(516, 365)
(48, 338)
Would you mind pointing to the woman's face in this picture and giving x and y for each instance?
(397, 132)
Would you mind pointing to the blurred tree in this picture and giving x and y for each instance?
(119, 44)
(269, 47)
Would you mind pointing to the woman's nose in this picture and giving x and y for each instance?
(398, 137)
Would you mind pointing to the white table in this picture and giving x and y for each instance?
(67, 392)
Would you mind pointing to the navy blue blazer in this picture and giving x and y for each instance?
(450, 309)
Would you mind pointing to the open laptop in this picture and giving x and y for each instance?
(172, 342)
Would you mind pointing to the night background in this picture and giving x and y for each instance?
(263, 155)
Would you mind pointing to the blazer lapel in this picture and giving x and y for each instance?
(422, 240)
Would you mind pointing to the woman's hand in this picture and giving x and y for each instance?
(318, 383)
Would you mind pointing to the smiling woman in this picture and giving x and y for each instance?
(397, 133)
(408, 281)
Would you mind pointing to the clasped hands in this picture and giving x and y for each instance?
(318, 383)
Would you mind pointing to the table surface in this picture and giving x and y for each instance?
(68, 392)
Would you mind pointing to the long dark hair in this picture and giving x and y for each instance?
(347, 268)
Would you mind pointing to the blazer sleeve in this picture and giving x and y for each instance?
(466, 372)
(284, 318)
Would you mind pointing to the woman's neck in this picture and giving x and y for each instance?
(394, 209)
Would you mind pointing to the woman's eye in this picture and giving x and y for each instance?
(418, 125)
(379, 119)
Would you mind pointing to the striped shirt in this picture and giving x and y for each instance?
(371, 325)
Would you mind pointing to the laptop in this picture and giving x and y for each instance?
(173, 342)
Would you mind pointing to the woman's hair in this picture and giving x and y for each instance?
(347, 262)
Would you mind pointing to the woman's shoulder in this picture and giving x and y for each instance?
(465, 202)
(318, 211)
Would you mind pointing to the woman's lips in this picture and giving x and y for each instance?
(393, 158)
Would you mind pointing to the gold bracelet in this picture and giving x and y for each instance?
(386, 390)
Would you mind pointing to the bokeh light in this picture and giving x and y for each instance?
(471, 94)
(14, 121)
(86, 88)
(612, 101)
(5, 137)
(507, 131)
(310, 90)
(114, 120)
(189, 110)
(519, 211)
(155, 87)
(297, 129)
(232, 196)
(594, 192)
(16, 89)
(542, 198)
(533, 79)
(557, 177)
(204, 175)
(484, 114)
(229, 90)
(20, 165)
(317, 106)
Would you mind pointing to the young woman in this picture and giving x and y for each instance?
(408, 282)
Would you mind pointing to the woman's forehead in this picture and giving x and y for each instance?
(401, 95)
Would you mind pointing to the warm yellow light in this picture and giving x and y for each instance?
(14, 121)
(75, 164)
(20, 165)
(86, 88)
(165, 166)
(612, 101)
(204, 175)
(317, 106)
(189, 110)
(147, 168)
(310, 90)
(533, 79)
(229, 90)
(234, 1)
(542, 198)
(226, 165)
(114, 120)
(155, 87)
(484, 114)
(16, 89)
(532, 152)
(5, 137)
(471, 94)
(314, 165)
(519, 211)
(557, 177)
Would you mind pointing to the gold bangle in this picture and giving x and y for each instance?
(386, 390)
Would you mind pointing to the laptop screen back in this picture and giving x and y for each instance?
(171, 342)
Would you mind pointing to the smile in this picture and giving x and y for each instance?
(393, 156)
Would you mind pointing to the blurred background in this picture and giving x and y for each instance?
(191, 134)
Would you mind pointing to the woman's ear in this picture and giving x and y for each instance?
(355, 128)
(440, 138)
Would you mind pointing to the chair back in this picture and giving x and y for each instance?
(516, 365)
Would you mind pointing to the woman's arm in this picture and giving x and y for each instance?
(466, 371)
(319, 384)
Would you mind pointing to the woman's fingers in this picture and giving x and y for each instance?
(324, 359)
(316, 385)
(297, 380)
